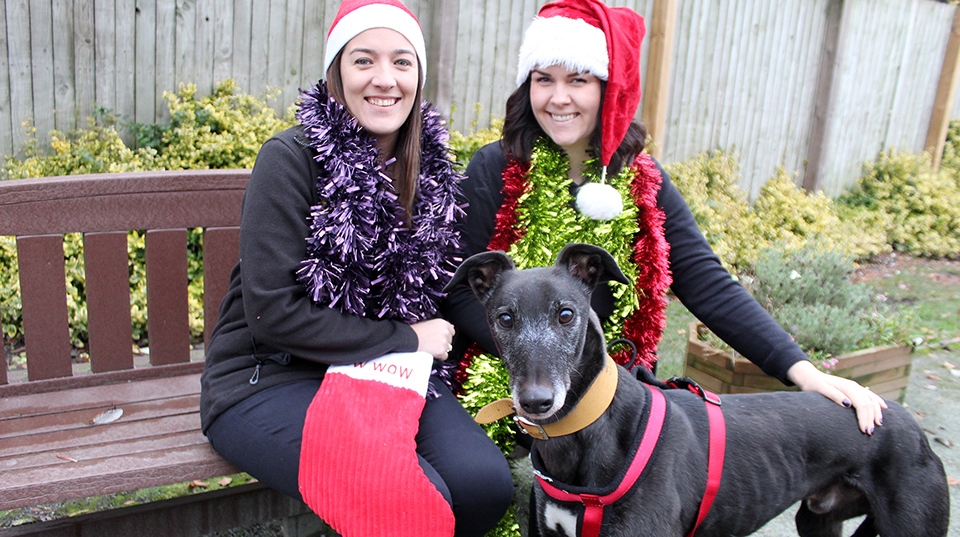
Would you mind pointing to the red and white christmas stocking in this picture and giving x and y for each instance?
(358, 464)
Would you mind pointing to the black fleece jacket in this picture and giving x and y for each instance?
(266, 318)
(701, 283)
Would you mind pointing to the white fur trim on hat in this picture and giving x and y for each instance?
(375, 16)
(572, 43)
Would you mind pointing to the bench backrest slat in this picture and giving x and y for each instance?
(167, 303)
(43, 292)
(106, 266)
(220, 248)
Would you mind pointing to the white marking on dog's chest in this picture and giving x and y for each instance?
(559, 519)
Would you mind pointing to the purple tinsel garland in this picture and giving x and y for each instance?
(361, 257)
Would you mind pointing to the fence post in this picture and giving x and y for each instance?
(822, 109)
(657, 85)
(443, 48)
(946, 89)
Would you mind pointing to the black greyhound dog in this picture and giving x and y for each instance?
(780, 448)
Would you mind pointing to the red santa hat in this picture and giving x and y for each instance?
(357, 16)
(589, 36)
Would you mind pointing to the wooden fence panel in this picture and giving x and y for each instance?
(745, 75)
(105, 50)
(63, 66)
(18, 56)
(920, 65)
(125, 63)
(84, 59)
(743, 80)
(877, 87)
(166, 54)
(6, 116)
(41, 64)
(203, 52)
(146, 62)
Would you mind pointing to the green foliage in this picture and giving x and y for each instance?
(464, 146)
(790, 217)
(96, 149)
(810, 293)
(221, 130)
(708, 182)
(915, 207)
(783, 214)
(10, 290)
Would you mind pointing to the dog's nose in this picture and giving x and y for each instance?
(537, 400)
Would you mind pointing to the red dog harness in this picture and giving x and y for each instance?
(594, 504)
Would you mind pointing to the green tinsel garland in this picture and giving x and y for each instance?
(551, 221)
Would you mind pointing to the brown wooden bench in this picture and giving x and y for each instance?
(49, 449)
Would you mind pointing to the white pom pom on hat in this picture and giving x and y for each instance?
(599, 201)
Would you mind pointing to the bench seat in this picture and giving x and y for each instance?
(50, 448)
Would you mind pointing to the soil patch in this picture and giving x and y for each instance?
(945, 271)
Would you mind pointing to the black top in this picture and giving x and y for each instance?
(700, 281)
(266, 317)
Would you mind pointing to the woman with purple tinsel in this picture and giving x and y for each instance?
(347, 238)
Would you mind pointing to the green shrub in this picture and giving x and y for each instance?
(95, 149)
(464, 146)
(950, 160)
(709, 184)
(810, 293)
(917, 206)
(10, 290)
(789, 217)
(221, 130)
(225, 129)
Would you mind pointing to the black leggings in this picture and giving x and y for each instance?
(261, 435)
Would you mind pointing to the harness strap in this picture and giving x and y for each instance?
(593, 504)
(717, 449)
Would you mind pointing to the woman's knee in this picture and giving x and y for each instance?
(261, 435)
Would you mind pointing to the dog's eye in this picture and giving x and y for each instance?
(505, 320)
(566, 315)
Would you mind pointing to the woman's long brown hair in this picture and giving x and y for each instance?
(407, 151)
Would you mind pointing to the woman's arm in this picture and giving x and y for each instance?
(705, 287)
(708, 290)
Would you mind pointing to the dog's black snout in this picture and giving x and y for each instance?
(537, 400)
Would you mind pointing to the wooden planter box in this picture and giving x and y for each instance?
(886, 370)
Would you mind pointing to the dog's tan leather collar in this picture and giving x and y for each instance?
(591, 406)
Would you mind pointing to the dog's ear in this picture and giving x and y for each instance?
(481, 272)
(591, 264)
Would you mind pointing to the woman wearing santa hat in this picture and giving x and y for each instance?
(570, 168)
(321, 378)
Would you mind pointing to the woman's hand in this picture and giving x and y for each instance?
(846, 392)
(435, 337)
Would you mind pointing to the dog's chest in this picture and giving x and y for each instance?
(559, 518)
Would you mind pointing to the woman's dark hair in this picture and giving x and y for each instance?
(407, 151)
(521, 130)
